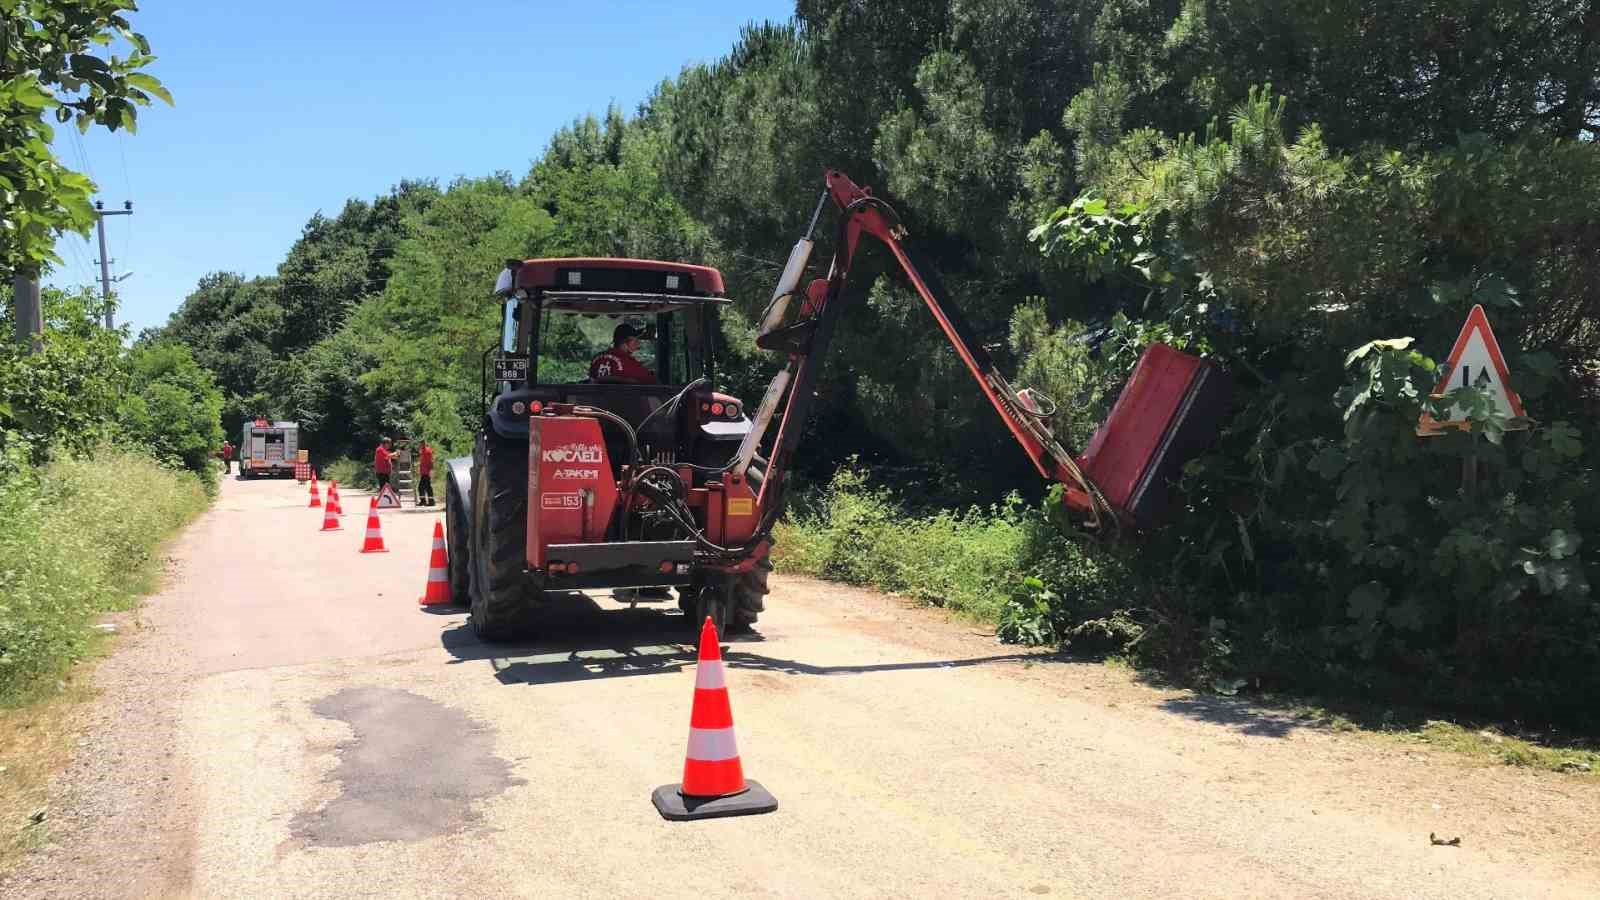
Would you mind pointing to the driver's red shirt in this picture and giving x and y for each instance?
(617, 363)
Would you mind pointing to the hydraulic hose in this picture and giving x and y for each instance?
(620, 422)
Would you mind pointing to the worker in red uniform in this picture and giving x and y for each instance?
(424, 474)
(227, 457)
(618, 364)
(383, 462)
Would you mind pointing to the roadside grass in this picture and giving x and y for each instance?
(78, 539)
(962, 561)
(1491, 745)
(1540, 751)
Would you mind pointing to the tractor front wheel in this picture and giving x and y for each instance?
(501, 595)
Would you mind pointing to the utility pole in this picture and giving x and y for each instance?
(100, 213)
(30, 314)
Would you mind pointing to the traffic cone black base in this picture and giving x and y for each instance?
(675, 807)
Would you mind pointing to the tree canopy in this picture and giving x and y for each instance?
(53, 66)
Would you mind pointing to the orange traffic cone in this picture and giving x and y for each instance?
(315, 500)
(438, 591)
(374, 541)
(713, 778)
(333, 498)
(330, 519)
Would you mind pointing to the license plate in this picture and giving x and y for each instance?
(510, 368)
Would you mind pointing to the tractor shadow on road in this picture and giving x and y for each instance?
(588, 642)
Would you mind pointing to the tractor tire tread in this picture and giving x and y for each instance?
(502, 602)
(750, 591)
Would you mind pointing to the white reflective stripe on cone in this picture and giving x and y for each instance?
(438, 575)
(708, 675)
(712, 744)
(438, 544)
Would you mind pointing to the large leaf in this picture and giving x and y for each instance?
(1361, 352)
(29, 93)
(151, 84)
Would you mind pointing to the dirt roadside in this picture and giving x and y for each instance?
(287, 723)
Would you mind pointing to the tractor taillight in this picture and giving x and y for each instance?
(716, 409)
(518, 409)
(536, 407)
(666, 567)
(733, 410)
(705, 407)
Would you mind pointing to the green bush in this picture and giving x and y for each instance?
(348, 472)
(1321, 543)
(860, 534)
(83, 389)
(173, 407)
(78, 538)
(64, 397)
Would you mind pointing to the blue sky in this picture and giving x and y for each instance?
(290, 107)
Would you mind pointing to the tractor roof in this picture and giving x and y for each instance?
(605, 285)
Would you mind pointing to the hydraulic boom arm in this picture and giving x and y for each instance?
(804, 331)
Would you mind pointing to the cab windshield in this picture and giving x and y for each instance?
(671, 345)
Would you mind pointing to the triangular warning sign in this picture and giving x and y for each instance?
(387, 498)
(1476, 361)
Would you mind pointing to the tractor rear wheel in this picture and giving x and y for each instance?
(501, 595)
(458, 544)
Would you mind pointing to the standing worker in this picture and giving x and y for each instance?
(383, 463)
(424, 474)
(227, 457)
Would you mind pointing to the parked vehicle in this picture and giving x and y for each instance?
(268, 448)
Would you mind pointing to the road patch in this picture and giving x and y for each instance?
(412, 771)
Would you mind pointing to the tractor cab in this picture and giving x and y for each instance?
(560, 328)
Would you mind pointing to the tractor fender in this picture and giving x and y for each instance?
(505, 423)
(459, 471)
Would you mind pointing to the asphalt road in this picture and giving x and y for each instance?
(286, 722)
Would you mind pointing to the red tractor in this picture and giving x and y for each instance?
(606, 483)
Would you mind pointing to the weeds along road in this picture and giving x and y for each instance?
(286, 722)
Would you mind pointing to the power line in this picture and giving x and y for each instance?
(83, 154)
(84, 273)
(127, 184)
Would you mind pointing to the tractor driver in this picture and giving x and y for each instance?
(617, 363)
